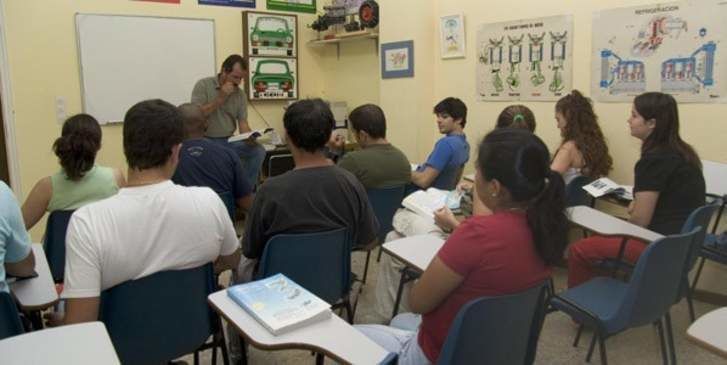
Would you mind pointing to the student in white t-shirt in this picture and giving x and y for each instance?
(151, 225)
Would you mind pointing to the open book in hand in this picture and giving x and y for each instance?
(425, 202)
(279, 304)
(250, 135)
(605, 186)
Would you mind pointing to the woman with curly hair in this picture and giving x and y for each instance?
(583, 150)
(80, 180)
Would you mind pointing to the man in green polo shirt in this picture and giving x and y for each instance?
(225, 105)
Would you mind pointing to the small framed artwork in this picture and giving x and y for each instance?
(236, 3)
(272, 78)
(397, 59)
(301, 6)
(451, 36)
(269, 34)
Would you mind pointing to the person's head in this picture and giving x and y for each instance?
(308, 124)
(451, 115)
(516, 116)
(78, 144)
(153, 132)
(233, 69)
(655, 120)
(513, 172)
(368, 123)
(195, 123)
(578, 123)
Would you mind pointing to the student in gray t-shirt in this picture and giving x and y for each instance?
(377, 164)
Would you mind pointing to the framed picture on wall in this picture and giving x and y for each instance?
(272, 78)
(301, 6)
(451, 36)
(269, 34)
(236, 3)
(397, 59)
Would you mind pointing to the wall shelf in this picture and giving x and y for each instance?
(348, 37)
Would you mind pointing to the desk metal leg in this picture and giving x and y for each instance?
(399, 291)
(620, 256)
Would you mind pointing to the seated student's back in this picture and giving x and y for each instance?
(15, 252)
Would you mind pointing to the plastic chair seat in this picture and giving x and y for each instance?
(602, 296)
(714, 250)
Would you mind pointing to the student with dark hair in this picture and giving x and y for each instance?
(80, 180)
(583, 149)
(668, 185)
(315, 196)
(224, 103)
(516, 116)
(151, 225)
(505, 252)
(378, 164)
(444, 165)
(205, 163)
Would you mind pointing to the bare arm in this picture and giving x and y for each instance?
(437, 282)
(243, 126)
(227, 262)
(23, 267)
(563, 159)
(79, 310)
(37, 202)
(642, 208)
(424, 179)
(245, 203)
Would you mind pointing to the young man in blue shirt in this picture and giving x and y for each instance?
(444, 165)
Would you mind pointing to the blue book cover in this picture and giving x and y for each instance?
(279, 304)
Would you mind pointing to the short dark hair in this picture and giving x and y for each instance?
(309, 124)
(370, 119)
(151, 129)
(453, 107)
(78, 144)
(233, 59)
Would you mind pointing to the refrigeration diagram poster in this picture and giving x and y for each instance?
(528, 59)
(676, 48)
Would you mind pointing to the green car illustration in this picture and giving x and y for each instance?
(271, 32)
(272, 78)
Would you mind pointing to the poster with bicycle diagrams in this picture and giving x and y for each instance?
(530, 59)
(676, 48)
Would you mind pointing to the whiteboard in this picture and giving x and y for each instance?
(126, 59)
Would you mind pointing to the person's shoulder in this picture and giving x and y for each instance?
(568, 146)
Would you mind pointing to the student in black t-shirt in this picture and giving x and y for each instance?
(668, 185)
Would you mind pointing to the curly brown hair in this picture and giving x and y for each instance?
(582, 128)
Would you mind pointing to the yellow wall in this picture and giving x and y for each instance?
(41, 47)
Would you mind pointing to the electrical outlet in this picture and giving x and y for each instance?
(60, 108)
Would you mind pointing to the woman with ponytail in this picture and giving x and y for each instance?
(80, 180)
(501, 253)
(583, 149)
(516, 116)
(668, 185)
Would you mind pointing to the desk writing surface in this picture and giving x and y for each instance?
(39, 292)
(416, 251)
(710, 331)
(607, 225)
(78, 344)
(715, 177)
(333, 337)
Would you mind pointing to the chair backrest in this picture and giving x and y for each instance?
(279, 164)
(496, 330)
(54, 243)
(10, 324)
(574, 193)
(700, 217)
(230, 203)
(385, 202)
(319, 262)
(160, 317)
(655, 281)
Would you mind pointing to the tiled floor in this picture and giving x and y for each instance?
(636, 346)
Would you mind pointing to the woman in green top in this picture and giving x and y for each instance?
(80, 180)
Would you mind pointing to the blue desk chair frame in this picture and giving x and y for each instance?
(54, 243)
(385, 202)
(10, 323)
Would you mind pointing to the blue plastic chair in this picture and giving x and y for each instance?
(385, 202)
(575, 195)
(319, 262)
(161, 317)
(714, 246)
(54, 243)
(230, 203)
(496, 330)
(611, 306)
(10, 324)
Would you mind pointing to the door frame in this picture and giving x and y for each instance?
(8, 109)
